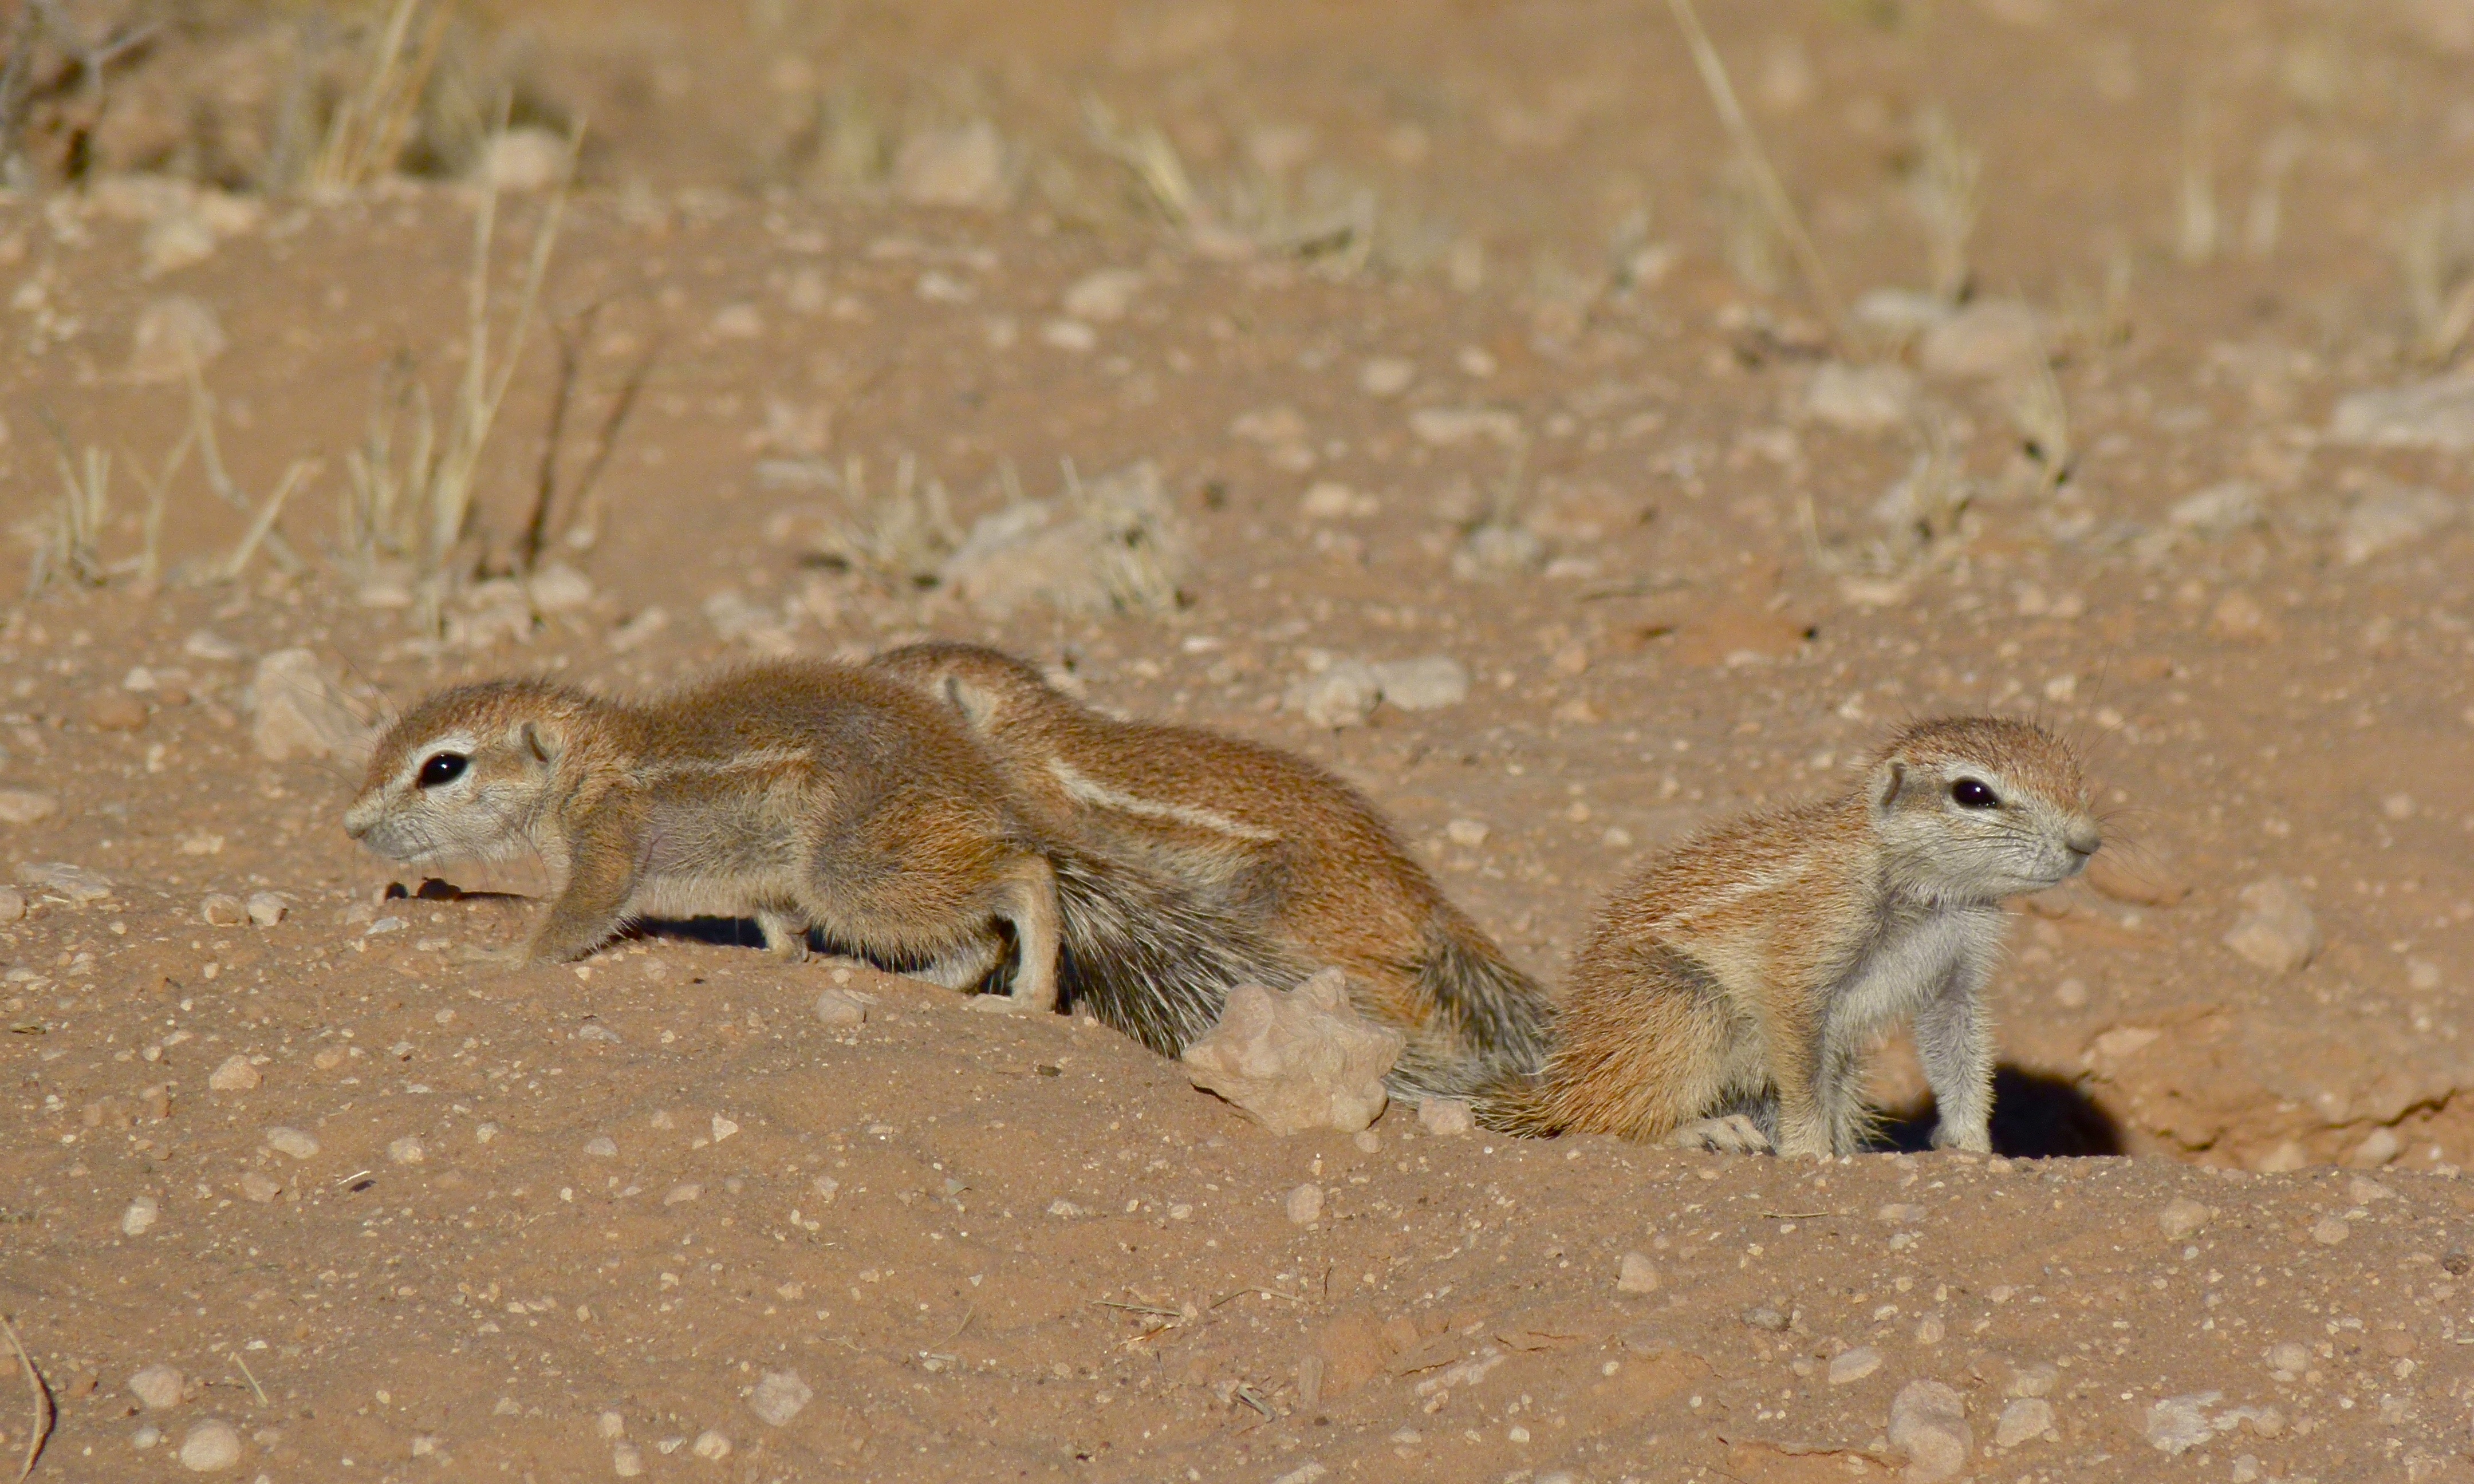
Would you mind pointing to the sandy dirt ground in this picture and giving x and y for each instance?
(2123, 398)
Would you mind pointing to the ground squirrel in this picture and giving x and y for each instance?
(1268, 838)
(809, 797)
(1731, 990)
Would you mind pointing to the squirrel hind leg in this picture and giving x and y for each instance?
(1026, 902)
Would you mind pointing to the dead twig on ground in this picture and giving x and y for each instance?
(46, 1414)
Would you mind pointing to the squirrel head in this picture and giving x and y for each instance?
(461, 776)
(1976, 809)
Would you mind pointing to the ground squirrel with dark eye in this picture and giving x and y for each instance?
(810, 797)
(1266, 837)
(1728, 994)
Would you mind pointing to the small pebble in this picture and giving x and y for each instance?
(1929, 1424)
(235, 1074)
(259, 1187)
(722, 1128)
(1467, 834)
(2288, 1359)
(1765, 1316)
(684, 1191)
(12, 904)
(146, 1437)
(222, 910)
(2024, 1419)
(116, 712)
(1637, 1274)
(2276, 930)
(157, 1386)
(2036, 1379)
(627, 1460)
(2329, 1230)
(603, 1147)
(408, 1149)
(1304, 1204)
(26, 805)
(839, 1009)
(710, 1445)
(610, 1427)
(1853, 1365)
(140, 1216)
(779, 1397)
(265, 908)
(1445, 1117)
(2183, 1217)
(291, 1141)
(210, 1446)
(1386, 375)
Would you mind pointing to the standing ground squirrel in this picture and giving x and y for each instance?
(1740, 980)
(1267, 837)
(810, 797)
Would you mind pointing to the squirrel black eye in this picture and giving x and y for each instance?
(1971, 794)
(443, 768)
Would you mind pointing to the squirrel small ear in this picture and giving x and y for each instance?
(542, 746)
(1887, 780)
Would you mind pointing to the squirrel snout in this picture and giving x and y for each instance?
(2084, 836)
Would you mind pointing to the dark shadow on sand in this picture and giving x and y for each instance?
(2036, 1115)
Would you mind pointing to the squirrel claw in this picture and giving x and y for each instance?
(1731, 1134)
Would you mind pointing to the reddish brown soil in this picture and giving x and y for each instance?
(995, 1249)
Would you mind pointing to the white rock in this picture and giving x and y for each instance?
(1103, 296)
(1861, 398)
(1467, 834)
(26, 805)
(303, 710)
(221, 909)
(12, 904)
(2221, 509)
(259, 1187)
(961, 166)
(722, 1128)
(1635, 1274)
(627, 1460)
(1344, 695)
(710, 1445)
(1991, 337)
(1853, 1365)
(1300, 1061)
(235, 1073)
(1304, 1205)
(2183, 1217)
(1428, 683)
(680, 1194)
(1495, 551)
(173, 335)
(2024, 1419)
(601, 1147)
(210, 1446)
(2033, 1379)
(559, 588)
(1929, 1424)
(140, 1216)
(1901, 312)
(2436, 414)
(1386, 375)
(206, 644)
(265, 908)
(79, 885)
(1446, 427)
(174, 241)
(291, 1141)
(2276, 930)
(2391, 519)
(2330, 1230)
(840, 1009)
(408, 1149)
(157, 1386)
(522, 159)
(2177, 1424)
(2288, 1359)
(1445, 1117)
(778, 1398)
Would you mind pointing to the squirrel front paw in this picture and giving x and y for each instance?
(1731, 1134)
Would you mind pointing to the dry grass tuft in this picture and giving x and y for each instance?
(2435, 259)
(373, 121)
(1944, 185)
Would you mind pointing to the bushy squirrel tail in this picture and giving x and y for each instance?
(1151, 958)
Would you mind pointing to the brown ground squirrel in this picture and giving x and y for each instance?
(1267, 836)
(809, 797)
(1741, 981)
